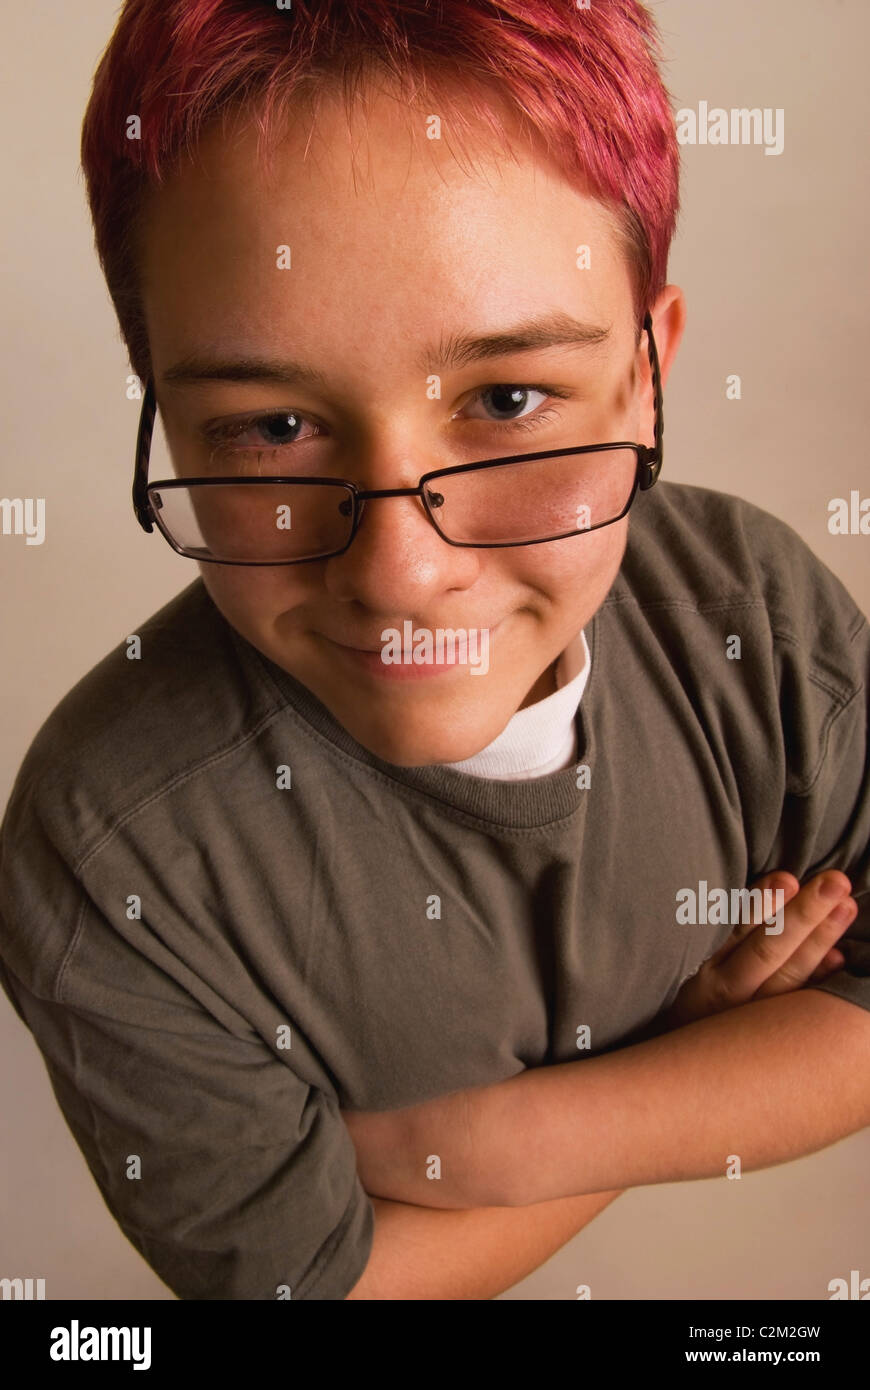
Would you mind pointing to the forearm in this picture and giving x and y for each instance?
(768, 1082)
(421, 1253)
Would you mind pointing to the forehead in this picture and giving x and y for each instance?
(384, 225)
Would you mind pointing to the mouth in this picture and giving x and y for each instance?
(376, 651)
(371, 659)
(351, 646)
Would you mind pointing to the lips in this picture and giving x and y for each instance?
(356, 647)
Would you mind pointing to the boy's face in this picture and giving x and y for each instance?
(392, 252)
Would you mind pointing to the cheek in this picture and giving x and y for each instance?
(570, 571)
(251, 598)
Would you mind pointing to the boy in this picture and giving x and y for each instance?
(309, 914)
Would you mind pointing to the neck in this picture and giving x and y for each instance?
(545, 685)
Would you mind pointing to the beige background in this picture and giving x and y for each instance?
(772, 256)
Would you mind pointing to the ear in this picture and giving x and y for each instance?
(668, 320)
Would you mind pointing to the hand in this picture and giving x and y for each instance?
(753, 964)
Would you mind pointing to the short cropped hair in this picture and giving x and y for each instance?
(585, 81)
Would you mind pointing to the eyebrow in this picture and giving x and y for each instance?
(556, 329)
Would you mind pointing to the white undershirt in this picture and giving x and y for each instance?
(541, 738)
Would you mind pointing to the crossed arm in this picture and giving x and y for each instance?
(527, 1162)
(421, 1253)
(769, 1081)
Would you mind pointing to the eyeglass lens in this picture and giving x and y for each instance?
(263, 523)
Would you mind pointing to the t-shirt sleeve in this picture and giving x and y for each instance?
(823, 671)
(232, 1176)
(843, 837)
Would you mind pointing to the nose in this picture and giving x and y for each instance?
(397, 562)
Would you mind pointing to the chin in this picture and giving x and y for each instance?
(421, 748)
(423, 752)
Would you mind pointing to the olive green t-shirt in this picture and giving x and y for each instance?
(223, 919)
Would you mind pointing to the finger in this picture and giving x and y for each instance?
(834, 960)
(763, 953)
(786, 883)
(810, 955)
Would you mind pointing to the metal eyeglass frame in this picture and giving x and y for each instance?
(649, 463)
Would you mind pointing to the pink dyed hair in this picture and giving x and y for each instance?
(585, 81)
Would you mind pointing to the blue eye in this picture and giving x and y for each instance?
(277, 428)
(533, 421)
(508, 400)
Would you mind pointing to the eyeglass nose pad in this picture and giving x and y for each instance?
(346, 507)
(435, 499)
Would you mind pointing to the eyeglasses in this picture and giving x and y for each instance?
(524, 499)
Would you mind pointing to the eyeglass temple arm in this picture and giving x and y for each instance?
(652, 458)
(141, 505)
